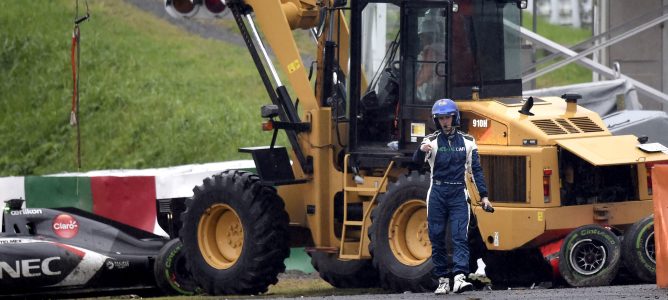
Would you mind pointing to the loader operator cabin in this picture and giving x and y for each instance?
(346, 187)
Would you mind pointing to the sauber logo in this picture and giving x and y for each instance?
(117, 264)
(28, 268)
(65, 226)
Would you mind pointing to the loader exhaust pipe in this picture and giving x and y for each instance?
(571, 102)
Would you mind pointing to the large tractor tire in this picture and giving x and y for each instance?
(638, 252)
(170, 271)
(589, 256)
(344, 274)
(235, 234)
(400, 244)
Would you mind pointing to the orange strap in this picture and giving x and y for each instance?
(660, 191)
(75, 95)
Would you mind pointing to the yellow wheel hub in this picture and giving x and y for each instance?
(220, 235)
(408, 234)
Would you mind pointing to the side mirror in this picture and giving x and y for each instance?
(269, 110)
(14, 204)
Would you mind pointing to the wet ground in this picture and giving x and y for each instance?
(633, 291)
(645, 291)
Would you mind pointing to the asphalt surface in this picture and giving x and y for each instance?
(620, 291)
(645, 291)
(205, 28)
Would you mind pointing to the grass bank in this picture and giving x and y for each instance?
(151, 94)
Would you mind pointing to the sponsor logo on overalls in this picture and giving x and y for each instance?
(453, 149)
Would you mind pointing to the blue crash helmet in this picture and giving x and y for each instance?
(445, 107)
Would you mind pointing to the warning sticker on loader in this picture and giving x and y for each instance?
(294, 66)
(418, 129)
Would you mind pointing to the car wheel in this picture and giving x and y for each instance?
(170, 271)
(589, 256)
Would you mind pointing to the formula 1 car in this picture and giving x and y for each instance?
(68, 250)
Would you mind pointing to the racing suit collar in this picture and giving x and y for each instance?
(449, 134)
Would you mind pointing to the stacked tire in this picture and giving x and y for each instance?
(591, 255)
(638, 252)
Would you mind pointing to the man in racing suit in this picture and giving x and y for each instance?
(450, 153)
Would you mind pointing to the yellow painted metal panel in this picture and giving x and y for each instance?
(485, 130)
(610, 150)
(509, 228)
(620, 213)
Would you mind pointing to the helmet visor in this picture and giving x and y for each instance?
(447, 114)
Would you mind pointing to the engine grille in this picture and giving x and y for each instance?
(585, 124)
(501, 187)
(563, 126)
(567, 126)
(549, 127)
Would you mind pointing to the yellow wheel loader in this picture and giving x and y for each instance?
(565, 190)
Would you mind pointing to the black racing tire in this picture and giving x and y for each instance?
(589, 256)
(638, 252)
(170, 271)
(235, 233)
(344, 274)
(399, 239)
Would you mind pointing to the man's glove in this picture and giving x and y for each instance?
(486, 205)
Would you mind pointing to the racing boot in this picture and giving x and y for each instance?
(443, 286)
(460, 284)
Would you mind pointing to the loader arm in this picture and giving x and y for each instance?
(276, 19)
(273, 21)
